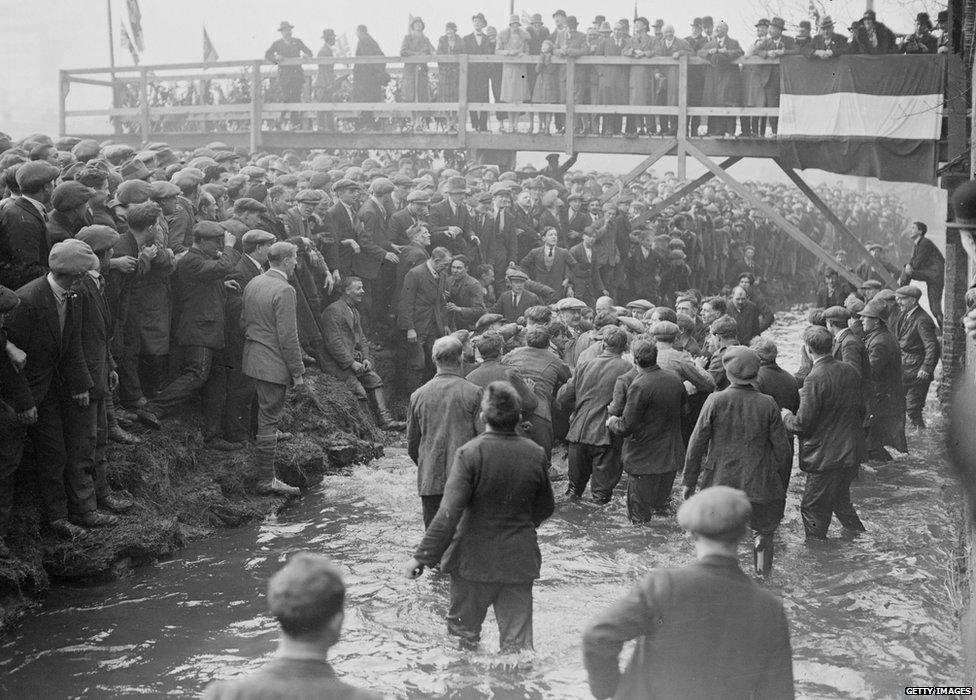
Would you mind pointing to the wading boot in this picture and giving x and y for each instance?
(385, 419)
(762, 555)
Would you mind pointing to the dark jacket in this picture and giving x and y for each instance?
(421, 305)
(494, 371)
(410, 256)
(884, 37)
(553, 275)
(441, 417)
(342, 226)
(498, 243)
(837, 43)
(884, 392)
(15, 393)
(849, 348)
(928, 263)
(441, 217)
(775, 381)
(55, 359)
(496, 496)
(96, 335)
(919, 342)
(505, 305)
(651, 422)
(373, 239)
(546, 372)
(746, 444)
(23, 243)
(587, 282)
(201, 295)
(587, 394)
(342, 332)
(469, 296)
(244, 271)
(748, 323)
(830, 417)
(705, 630)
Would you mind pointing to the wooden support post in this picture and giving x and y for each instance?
(570, 122)
(257, 100)
(682, 161)
(792, 231)
(462, 115)
(65, 85)
(658, 153)
(838, 224)
(144, 104)
(682, 116)
(683, 192)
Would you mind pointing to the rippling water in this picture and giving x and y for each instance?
(868, 616)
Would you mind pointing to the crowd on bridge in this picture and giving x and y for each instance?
(726, 81)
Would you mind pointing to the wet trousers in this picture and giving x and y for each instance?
(599, 462)
(512, 603)
(915, 394)
(648, 495)
(826, 494)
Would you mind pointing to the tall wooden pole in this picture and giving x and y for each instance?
(111, 38)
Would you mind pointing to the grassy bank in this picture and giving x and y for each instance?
(182, 491)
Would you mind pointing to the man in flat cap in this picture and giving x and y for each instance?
(867, 272)
(344, 226)
(927, 265)
(46, 325)
(23, 225)
(301, 220)
(201, 292)
(450, 221)
(421, 312)
(847, 346)
(920, 350)
(884, 391)
(272, 353)
(290, 78)
(747, 448)
(829, 424)
(306, 597)
(375, 263)
(72, 211)
(415, 212)
(709, 610)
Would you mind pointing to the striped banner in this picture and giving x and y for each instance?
(875, 116)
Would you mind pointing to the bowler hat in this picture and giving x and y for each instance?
(715, 511)
(777, 22)
(285, 25)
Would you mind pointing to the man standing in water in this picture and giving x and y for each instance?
(704, 630)
(306, 597)
(500, 485)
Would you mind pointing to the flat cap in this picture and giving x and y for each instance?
(569, 304)
(500, 188)
(884, 295)
(853, 304)
(187, 177)
(246, 204)
(33, 175)
(256, 236)
(253, 172)
(632, 324)
(715, 511)
(871, 284)
(118, 153)
(133, 192)
(309, 196)
(98, 237)
(642, 304)
(664, 329)
(909, 290)
(487, 320)
(71, 257)
(515, 273)
(208, 229)
(401, 180)
(160, 189)
(134, 170)
(874, 309)
(69, 195)
(345, 184)
(457, 185)
(418, 197)
(8, 299)
(837, 313)
(86, 149)
(741, 364)
(381, 186)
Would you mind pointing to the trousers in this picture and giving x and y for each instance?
(599, 462)
(648, 495)
(430, 504)
(915, 394)
(271, 404)
(826, 494)
(512, 603)
(202, 370)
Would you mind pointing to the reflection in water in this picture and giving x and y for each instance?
(868, 616)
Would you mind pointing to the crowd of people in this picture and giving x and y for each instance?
(726, 81)
(162, 276)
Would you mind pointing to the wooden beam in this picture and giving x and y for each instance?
(792, 231)
(64, 86)
(570, 123)
(144, 105)
(837, 224)
(257, 100)
(682, 193)
(658, 153)
(462, 116)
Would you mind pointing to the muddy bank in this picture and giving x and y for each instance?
(183, 492)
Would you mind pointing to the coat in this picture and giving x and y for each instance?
(23, 243)
(494, 371)
(499, 244)
(587, 394)
(373, 239)
(245, 270)
(506, 306)
(468, 295)
(271, 349)
(497, 494)
(201, 297)
(145, 308)
(748, 323)
(515, 81)
(666, 87)
(849, 348)
(15, 393)
(641, 78)
(343, 226)
(704, 630)
(447, 73)
(410, 256)
(775, 381)
(722, 84)
(441, 417)
(415, 86)
(829, 420)
(421, 306)
(368, 79)
(613, 82)
(441, 217)
(96, 334)
(746, 443)
(928, 263)
(478, 73)
(558, 271)
(587, 282)
(546, 372)
(919, 342)
(651, 422)
(55, 358)
(344, 339)
(884, 391)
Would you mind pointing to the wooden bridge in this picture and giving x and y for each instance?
(247, 118)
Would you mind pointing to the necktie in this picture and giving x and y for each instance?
(62, 303)
(515, 301)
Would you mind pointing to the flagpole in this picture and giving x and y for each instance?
(111, 38)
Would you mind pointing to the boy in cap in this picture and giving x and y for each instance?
(709, 610)
(23, 225)
(920, 350)
(747, 448)
(927, 265)
(306, 596)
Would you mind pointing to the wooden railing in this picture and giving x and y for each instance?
(137, 84)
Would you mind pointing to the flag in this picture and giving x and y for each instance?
(875, 116)
(342, 46)
(126, 41)
(135, 21)
(209, 51)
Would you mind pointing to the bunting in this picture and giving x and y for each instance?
(209, 50)
(126, 42)
(135, 21)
